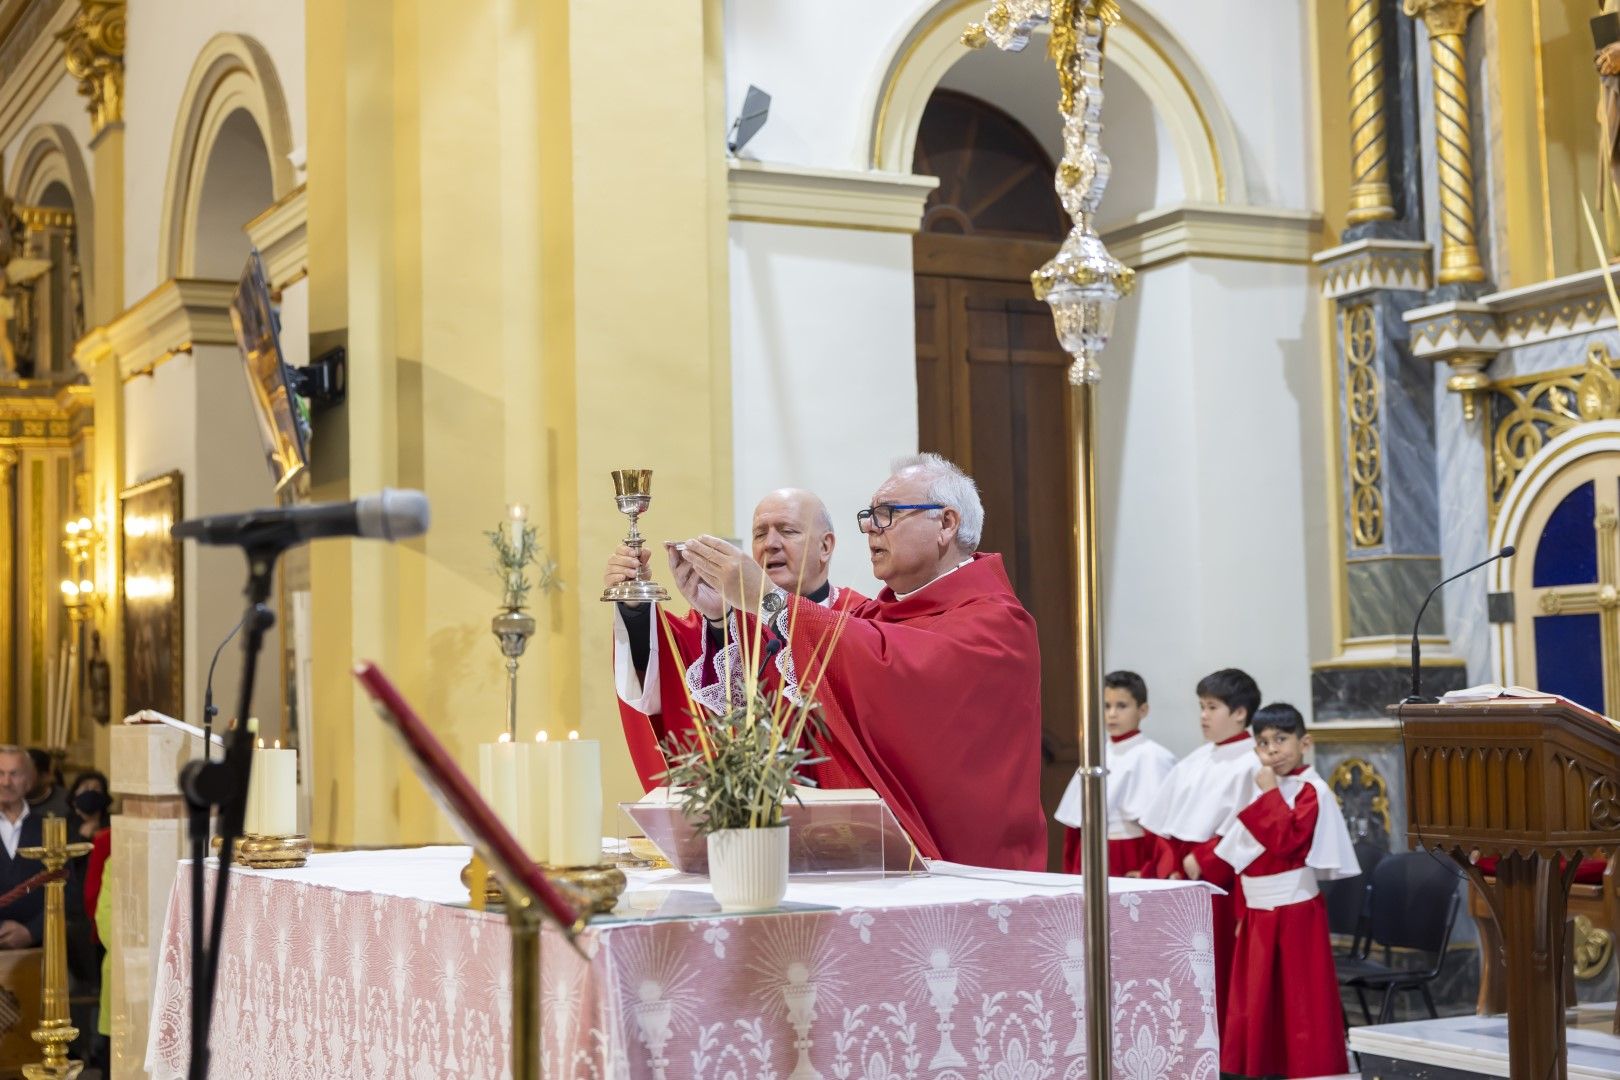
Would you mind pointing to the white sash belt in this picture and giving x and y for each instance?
(1270, 891)
(1124, 830)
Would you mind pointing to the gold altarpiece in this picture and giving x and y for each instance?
(46, 459)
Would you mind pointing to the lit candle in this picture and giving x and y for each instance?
(272, 808)
(518, 516)
(576, 802)
(540, 798)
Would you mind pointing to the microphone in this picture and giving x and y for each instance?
(388, 515)
(1416, 697)
(773, 645)
(209, 710)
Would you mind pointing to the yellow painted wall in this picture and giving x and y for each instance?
(518, 218)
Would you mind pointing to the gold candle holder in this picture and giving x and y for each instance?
(256, 852)
(594, 890)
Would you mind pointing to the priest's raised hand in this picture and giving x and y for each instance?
(728, 570)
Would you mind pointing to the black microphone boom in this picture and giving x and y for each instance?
(388, 515)
(1416, 697)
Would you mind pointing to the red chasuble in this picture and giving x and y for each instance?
(934, 701)
(1283, 1014)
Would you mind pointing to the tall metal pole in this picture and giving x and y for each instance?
(1082, 284)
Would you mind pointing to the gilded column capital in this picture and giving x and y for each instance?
(1442, 16)
(95, 57)
(8, 459)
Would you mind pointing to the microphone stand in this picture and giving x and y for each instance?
(1416, 696)
(198, 815)
(209, 785)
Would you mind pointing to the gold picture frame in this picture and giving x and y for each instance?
(151, 586)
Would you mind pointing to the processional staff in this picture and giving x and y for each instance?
(1082, 284)
(55, 1031)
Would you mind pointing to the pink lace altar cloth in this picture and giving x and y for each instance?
(321, 979)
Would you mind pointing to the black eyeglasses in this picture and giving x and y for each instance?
(880, 517)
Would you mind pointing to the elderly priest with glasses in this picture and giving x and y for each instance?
(931, 693)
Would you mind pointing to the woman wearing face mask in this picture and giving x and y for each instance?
(90, 803)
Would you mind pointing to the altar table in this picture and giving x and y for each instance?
(368, 964)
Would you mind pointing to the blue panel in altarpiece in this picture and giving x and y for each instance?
(1567, 553)
(1569, 657)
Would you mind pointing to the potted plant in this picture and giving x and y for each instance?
(731, 775)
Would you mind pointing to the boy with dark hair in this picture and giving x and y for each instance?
(1136, 767)
(1283, 1016)
(1201, 794)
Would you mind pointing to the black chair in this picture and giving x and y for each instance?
(1349, 901)
(1415, 897)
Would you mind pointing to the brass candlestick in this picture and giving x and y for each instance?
(255, 852)
(632, 490)
(512, 628)
(55, 1031)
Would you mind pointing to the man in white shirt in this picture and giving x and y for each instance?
(22, 921)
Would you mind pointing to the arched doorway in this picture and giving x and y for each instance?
(991, 375)
(1566, 585)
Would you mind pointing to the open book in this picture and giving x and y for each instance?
(1492, 691)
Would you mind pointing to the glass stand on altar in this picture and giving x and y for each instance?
(830, 832)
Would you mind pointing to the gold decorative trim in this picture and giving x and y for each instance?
(1593, 947)
(1344, 774)
(1532, 410)
(95, 56)
(1365, 450)
(36, 604)
(43, 217)
(281, 234)
(173, 318)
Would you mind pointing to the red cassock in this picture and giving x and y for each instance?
(1137, 768)
(934, 701)
(1283, 1014)
(657, 703)
(1202, 793)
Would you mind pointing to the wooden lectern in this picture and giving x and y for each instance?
(1535, 782)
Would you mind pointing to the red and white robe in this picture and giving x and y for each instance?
(1283, 1016)
(1201, 794)
(1137, 767)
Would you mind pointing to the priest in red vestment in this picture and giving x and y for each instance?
(931, 692)
(793, 540)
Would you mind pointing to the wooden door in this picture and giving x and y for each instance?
(991, 382)
(991, 379)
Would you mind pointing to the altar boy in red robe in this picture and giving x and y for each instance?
(1283, 1015)
(1136, 767)
(931, 693)
(1201, 794)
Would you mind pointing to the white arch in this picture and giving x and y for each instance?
(233, 72)
(1585, 440)
(1205, 138)
(49, 155)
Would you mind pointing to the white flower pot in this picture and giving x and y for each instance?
(748, 868)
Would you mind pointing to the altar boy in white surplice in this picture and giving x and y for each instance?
(1136, 767)
(1201, 794)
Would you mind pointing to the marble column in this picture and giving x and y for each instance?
(1385, 483)
(148, 839)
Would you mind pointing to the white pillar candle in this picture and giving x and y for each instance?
(540, 798)
(273, 792)
(503, 770)
(576, 801)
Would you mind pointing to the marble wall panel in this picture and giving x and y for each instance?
(1384, 593)
(1464, 530)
